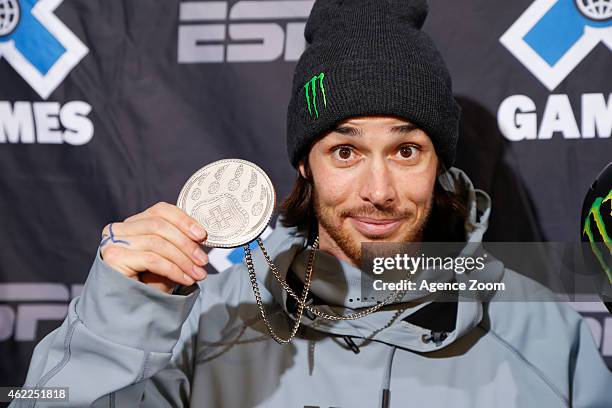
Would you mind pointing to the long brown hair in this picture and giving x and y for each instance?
(445, 223)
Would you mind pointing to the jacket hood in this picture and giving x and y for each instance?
(337, 283)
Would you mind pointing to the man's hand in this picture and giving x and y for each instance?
(159, 246)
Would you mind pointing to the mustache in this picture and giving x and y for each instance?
(374, 212)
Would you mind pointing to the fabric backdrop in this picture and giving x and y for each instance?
(107, 107)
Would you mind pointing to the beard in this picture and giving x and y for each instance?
(332, 221)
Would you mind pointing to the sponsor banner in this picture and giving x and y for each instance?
(109, 107)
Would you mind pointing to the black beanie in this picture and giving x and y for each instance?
(370, 57)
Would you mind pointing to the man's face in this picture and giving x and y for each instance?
(373, 181)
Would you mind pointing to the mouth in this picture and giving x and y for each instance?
(375, 228)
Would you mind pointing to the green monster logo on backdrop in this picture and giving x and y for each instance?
(601, 228)
(310, 87)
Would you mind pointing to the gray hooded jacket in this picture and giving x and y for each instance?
(125, 344)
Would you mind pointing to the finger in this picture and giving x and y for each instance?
(131, 262)
(157, 281)
(159, 226)
(160, 246)
(177, 217)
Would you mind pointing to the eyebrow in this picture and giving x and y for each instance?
(404, 129)
(348, 131)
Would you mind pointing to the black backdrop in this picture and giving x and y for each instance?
(107, 107)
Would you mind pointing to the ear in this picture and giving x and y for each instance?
(302, 169)
(441, 168)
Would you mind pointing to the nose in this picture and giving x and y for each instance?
(378, 185)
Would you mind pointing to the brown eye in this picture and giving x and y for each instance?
(344, 153)
(406, 151)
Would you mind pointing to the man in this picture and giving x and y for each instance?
(372, 131)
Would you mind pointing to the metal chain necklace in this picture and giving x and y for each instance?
(301, 301)
(391, 298)
(237, 181)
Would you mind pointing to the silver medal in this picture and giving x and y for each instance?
(232, 199)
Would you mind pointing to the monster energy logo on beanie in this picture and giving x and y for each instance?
(311, 87)
(595, 211)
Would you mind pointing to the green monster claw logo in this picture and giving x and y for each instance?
(601, 227)
(311, 87)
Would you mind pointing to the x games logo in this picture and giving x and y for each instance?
(37, 44)
(553, 36)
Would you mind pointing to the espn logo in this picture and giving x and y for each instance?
(248, 31)
(24, 306)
